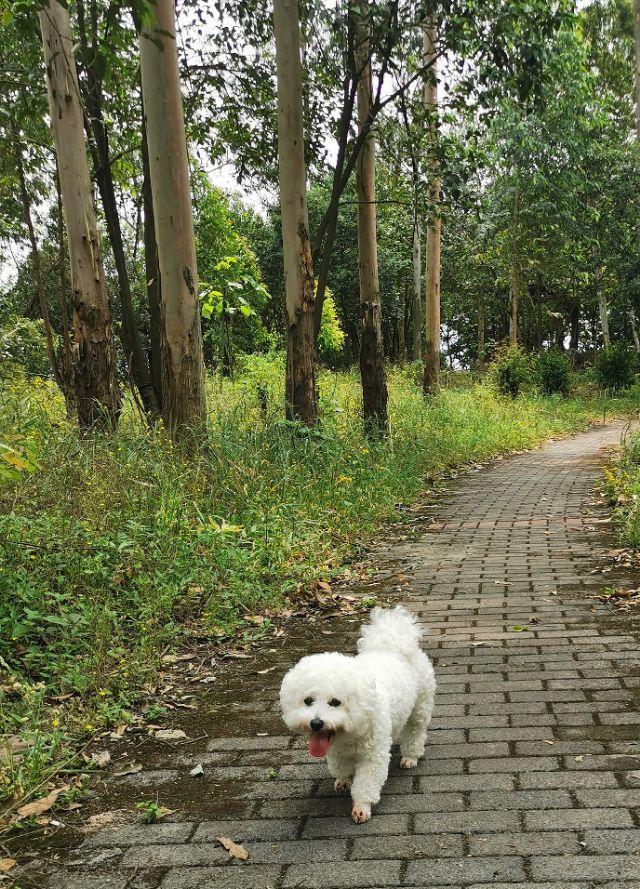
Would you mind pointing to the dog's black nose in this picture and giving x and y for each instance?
(316, 724)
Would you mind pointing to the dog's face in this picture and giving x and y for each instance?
(324, 695)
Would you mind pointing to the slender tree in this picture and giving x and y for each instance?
(374, 384)
(514, 268)
(301, 396)
(431, 380)
(98, 398)
(416, 303)
(183, 393)
(97, 130)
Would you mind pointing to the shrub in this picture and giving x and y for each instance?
(554, 372)
(331, 335)
(511, 370)
(615, 367)
(22, 343)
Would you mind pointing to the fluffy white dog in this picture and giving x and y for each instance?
(354, 708)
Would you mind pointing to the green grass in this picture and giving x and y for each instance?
(622, 489)
(115, 547)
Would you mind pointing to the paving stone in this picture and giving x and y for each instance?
(142, 834)
(583, 867)
(561, 843)
(233, 876)
(577, 819)
(382, 825)
(520, 799)
(408, 848)
(339, 874)
(452, 822)
(462, 872)
(607, 841)
(514, 764)
(570, 780)
(245, 831)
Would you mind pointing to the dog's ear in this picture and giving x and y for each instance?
(363, 705)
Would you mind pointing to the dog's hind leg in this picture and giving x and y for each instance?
(414, 734)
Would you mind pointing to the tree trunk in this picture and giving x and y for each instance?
(416, 307)
(100, 153)
(636, 34)
(431, 380)
(634, 329)
(481, 335)
(152, 273)
(602, 298)
(514, 270)
(374, 384)
(97, 390)
(66, 363)
(183, 393)
(574, 326)
(402, 318)
(301, 393)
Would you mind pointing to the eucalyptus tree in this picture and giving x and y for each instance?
(104, 37)
(183, 393)
(98, 397)
(372, 373)
(300, 391)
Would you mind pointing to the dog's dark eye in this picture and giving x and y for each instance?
(308, 702)
(334, 702)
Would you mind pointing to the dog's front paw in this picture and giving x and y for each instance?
(342, 785)
(406, 763)
(360, 812)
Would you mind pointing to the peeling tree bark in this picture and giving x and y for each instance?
(374, 384)
(431, 380)
(97, 391)
(183, 393)
(301, 394)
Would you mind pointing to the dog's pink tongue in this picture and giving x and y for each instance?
(318, 744)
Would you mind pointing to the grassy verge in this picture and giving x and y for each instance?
(622, 490)
(113, 548)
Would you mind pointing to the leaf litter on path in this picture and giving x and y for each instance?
(235, 850)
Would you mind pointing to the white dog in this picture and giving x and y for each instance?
(354, 708)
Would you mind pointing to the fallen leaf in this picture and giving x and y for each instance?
(6, 864)
(549, 741)
(101, 759)
(264, 672)
(578, 758)
(519, 629)
(198, 770)
(170, 734)
(42, 805)
(234, 849)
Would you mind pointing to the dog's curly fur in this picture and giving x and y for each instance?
(355, 708)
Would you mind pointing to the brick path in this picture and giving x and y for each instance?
(532, 771)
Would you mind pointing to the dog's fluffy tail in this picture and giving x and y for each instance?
(391, 630)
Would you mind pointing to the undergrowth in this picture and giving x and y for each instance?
(114, 548)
